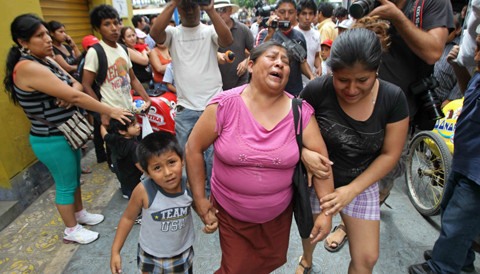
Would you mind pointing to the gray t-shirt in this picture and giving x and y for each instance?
(242, 39)
(167, 224)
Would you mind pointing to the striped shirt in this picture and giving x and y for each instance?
(43, 105)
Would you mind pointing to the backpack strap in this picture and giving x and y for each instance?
(102, 69)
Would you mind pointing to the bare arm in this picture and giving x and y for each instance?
(171, 88)
(61, 61)
(202, 136)
(137, 86)
(463, 76)
(395, 136)
(134, 207)
(33, 76)
(318, 64)
(305, 68)
(225, 37)
(163, 19)
(428, 45)
(137, 57)
(87, 81)
(156, 64)
(312, 140)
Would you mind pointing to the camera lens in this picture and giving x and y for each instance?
(361, 8)
(432, 106)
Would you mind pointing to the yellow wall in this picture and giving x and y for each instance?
(15, 151)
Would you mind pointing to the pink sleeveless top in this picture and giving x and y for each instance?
(252, 166)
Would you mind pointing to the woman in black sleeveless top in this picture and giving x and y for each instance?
(65, 54)
(43, 89)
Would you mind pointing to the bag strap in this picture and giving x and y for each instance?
(41, 120)
(297, 118)
(283, 36)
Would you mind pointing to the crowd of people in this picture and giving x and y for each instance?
(236, 82)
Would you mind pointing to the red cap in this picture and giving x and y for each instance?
(89, 41)
(327, 42)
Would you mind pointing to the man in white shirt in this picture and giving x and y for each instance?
(193, 47)
(306, 12)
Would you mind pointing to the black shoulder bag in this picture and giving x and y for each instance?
(302, 211)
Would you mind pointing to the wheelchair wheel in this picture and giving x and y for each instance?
(428, 165)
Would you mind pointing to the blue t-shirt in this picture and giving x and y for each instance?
(466, 155)
(294, 85)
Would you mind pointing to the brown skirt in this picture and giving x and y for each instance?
(250, 247)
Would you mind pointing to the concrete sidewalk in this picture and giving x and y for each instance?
(33, 242)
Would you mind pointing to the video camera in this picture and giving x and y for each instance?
(363, 7)
(264, 10)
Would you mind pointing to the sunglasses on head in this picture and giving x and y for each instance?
(221, 10)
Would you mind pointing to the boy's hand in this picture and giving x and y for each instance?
(116, 263)
(210, 228)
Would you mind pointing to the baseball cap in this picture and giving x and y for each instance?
(89, 41)
(327, 42)
(140, 34)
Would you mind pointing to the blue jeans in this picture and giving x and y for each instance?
(460, 225)
(184, 122)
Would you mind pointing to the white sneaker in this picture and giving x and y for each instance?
(90, 219)
(80, 235)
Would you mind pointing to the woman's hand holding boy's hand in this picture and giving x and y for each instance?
(116, 263)
(206, 211)
(316, 164)
(210, 228)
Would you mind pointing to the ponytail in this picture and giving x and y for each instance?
(12, 59)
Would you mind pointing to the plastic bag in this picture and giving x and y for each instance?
(146, 127)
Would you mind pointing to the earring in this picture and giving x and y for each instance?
(24, 51)
(376, 74)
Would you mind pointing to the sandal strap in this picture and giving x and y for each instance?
(340, 226)
(306, 270)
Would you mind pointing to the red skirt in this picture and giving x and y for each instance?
(250, 247)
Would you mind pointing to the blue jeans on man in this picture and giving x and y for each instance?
(185, 119)
(460, 225)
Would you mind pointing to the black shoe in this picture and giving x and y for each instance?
(422, 268)
(427, 255)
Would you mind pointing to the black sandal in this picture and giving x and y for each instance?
(339, 245)
(306, 270)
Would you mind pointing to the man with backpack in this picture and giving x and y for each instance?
(110, 61)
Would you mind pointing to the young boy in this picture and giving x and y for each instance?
(325, 53)
(166, 234)
(120, 79)
(122, 139)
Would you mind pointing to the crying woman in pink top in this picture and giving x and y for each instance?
(255, 153)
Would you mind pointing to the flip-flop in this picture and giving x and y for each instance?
(306, 270)
(86, 170)
(339, 245)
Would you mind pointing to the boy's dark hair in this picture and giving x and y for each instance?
(306, 4)
(340, 12)
(102, 12)
(325, 8)
(155, 144)
(136, 19)
(115, 126)
(287, 1)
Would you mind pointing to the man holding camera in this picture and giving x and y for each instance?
(280, 29)
(193, 47)
(234, 71)
(418, 32)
